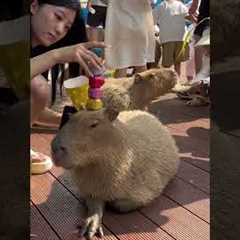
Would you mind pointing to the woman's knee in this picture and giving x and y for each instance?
(40, 91)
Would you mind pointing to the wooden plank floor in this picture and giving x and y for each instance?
(180, 213)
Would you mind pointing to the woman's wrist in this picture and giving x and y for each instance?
(55, 56)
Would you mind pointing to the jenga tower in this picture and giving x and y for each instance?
(95, 83)
(95, 92)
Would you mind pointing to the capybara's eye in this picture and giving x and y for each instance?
(94, 124)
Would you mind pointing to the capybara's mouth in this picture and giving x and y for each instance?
(60, 156)
(60, 159)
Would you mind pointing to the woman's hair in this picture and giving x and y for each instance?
(73, 4)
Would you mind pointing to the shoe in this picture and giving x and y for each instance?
(184, 95)
(45, 127)
(198, 101)
(40, 163)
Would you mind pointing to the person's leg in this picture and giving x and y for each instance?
(190, 64)
(180, 55)
(177, 67)
(49, 118)
(93, 34)
(40, 95)
(198, 55)
(94, 21)
(168, 54)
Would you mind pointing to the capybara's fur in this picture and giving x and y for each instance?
(126, 160)
(141, 89)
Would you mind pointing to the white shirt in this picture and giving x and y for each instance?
(170, 16)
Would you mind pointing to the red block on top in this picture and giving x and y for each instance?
(96, 81)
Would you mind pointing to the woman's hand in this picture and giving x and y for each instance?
(81, 54)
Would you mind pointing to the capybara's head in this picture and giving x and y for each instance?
(151, 84)
(84, 138)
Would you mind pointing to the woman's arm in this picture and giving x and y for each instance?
(78, 53)
(193, 7)
(42, 63)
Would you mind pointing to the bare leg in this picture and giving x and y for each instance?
(93, 223)
(100, 34)
(121, 73)
(49, 118)
(93, 34)
(40, 94)
(177, 67)
(198, 56)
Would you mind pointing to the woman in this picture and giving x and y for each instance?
(51, 20)
(77, 34)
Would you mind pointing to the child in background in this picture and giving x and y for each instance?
(170, 16)
(97, 11)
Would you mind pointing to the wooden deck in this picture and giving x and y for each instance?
(180, 213)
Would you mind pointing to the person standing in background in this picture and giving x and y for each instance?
(201, 26)
(170, 16)
(97, 11)
(130, 33)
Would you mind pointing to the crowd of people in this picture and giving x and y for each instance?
(125, 33)
(140, 33)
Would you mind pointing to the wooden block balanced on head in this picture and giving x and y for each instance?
(95, 84)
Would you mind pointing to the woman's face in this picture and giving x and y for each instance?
(50, 23)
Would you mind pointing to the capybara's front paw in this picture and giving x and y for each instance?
(92, 226)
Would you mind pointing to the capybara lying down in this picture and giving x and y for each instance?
(141, 89)
(124, 160)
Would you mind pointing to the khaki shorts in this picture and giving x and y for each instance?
(173, 52)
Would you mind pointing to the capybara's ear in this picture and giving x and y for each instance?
(110, 114)
(68, 111)
(138, 78)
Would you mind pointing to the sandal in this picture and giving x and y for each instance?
(45, 127)
(184, 95)
(40, 163)
(198, 101)
(48, 120)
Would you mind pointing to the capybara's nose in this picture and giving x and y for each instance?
(56, 145)
(58, 151)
